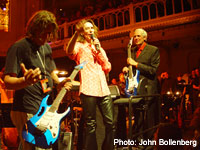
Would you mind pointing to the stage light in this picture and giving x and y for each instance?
(169, 93)
(3, 4)
(61, 78)
(177, 93)
(56, 71)
(61, 73)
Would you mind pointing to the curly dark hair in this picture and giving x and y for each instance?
(39, 22)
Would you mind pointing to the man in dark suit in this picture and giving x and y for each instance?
(145, 58)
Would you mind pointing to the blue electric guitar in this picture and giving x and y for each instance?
(43, 128)
(132, 81)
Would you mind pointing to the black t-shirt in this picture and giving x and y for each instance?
(24, 51)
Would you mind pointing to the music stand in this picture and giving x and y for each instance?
(134, 99)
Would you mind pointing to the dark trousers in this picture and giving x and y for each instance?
(121, 123)
(147, 116)
(89, 111)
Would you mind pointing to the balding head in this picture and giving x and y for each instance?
(139, 36)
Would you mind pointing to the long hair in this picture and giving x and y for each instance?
(39, 22)
(80, 25)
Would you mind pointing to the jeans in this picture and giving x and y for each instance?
(89, 111)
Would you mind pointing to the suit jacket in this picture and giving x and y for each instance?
(148, 62)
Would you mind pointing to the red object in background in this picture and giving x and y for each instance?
(10, 138)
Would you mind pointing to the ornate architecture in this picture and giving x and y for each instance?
(172, 25)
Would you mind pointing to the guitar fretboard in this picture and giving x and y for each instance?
(62, 93)
(130, 67)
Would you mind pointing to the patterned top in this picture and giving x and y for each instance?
(92, 76)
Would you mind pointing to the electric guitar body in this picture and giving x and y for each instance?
(132, 84)
(43, 128)
(132, 81)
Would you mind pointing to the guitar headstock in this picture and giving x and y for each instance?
(77, 69)
(80, 66)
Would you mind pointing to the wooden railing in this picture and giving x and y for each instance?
(147, 13)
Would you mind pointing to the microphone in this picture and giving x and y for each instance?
(96, 45)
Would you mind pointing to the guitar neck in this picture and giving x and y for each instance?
(62, 93)
(130, 73)
(130, 67)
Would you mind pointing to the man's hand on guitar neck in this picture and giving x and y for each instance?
(67, 83)
(132, 62)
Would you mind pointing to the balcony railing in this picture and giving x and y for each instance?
(143, 14)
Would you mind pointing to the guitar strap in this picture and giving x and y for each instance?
(44, 82)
